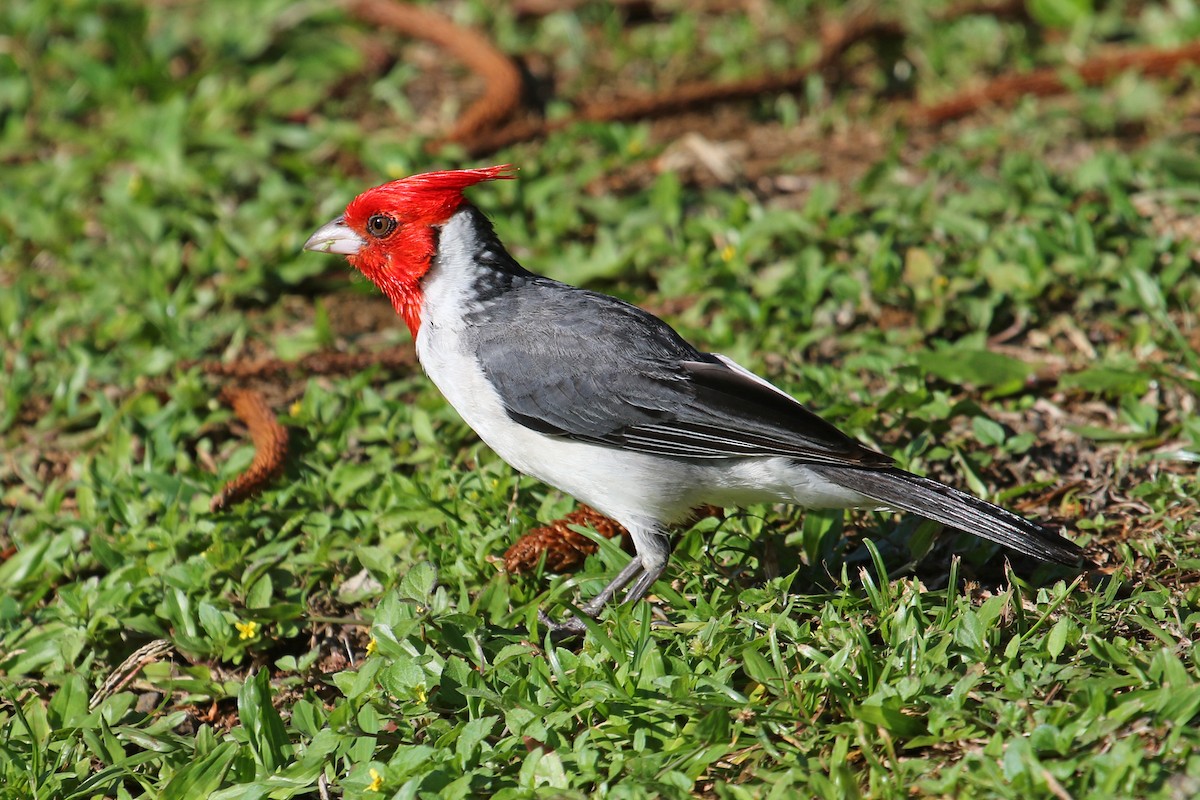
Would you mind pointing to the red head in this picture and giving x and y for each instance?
(387, 232)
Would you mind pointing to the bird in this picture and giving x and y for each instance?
(606, 402)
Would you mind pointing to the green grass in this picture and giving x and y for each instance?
(163, 163)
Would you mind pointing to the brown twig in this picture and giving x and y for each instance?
(120, 677)
(472, 48)
(320, 363)
(1007, 89)
(269, 437)
(270, 447)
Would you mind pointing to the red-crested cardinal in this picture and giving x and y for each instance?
(605, 401)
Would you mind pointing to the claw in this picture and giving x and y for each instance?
(570, 628)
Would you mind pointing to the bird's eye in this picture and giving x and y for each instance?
(380, 225)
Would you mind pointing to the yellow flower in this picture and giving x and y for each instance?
(727, 253)
(372, 646)
(376, 783)
(421, 695)
(295, 409)
(246, 630)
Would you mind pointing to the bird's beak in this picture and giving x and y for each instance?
(335, 237)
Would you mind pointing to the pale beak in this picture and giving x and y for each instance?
(335, 237)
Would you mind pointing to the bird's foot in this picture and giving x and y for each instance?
(568, 629)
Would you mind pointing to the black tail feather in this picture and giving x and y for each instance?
(904, 491)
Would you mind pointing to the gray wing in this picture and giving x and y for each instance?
(572, 363)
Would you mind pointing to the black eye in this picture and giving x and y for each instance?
(380, 225)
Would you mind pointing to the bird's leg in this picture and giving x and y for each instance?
(574, 626)
(653, 548)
